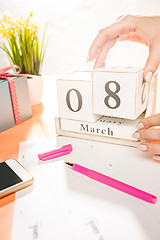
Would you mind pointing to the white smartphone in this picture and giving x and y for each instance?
(13, 177)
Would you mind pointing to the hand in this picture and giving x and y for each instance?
(147, 132)
(144, 30)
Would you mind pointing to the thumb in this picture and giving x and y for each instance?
(153, 61)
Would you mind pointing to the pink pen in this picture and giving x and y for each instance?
(114, 183)
(56, 153)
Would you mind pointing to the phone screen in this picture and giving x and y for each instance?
(8, 177)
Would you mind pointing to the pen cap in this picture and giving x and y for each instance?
(67, 148)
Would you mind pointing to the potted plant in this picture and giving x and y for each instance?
(20, 41)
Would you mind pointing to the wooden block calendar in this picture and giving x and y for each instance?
(104, 104)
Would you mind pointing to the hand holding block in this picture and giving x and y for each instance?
(119, 92)
(75, 98)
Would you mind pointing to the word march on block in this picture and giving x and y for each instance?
(116, 91)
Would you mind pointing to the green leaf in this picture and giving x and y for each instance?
(23, 48)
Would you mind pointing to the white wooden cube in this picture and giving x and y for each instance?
(75, 99)
(119, 92)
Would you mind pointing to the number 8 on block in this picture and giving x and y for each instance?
(119, 92)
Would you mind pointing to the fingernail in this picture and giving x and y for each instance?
(149, 76)
(140, 126)
(136, 135)
(156, 157)
(142, 147)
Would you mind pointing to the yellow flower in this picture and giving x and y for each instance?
(22, 45)
(30, 15)
(6, 17)
(9, 25)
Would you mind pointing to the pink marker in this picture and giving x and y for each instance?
(60, 154)
(114, 183)
(56, 153)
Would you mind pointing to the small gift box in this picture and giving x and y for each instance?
(15, 104)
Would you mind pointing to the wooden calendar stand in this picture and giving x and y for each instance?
(110, 130)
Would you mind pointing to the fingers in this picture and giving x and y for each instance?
(133, 37)
(156, 157)
(153, 60)
(96, 45)
(147, 134)
(153, 148)
(149, 122)
(100, 60)
(152, 135)
(102, 38)
(124, 26)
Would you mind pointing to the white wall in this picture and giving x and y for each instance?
(73, 24)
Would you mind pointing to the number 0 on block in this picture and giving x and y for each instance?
(75, 98)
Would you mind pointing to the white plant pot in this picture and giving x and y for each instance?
(35, 87)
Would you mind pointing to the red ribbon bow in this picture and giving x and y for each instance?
(9, 77)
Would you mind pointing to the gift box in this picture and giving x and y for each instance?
(15, 104)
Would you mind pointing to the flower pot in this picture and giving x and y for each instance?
(35, 87)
